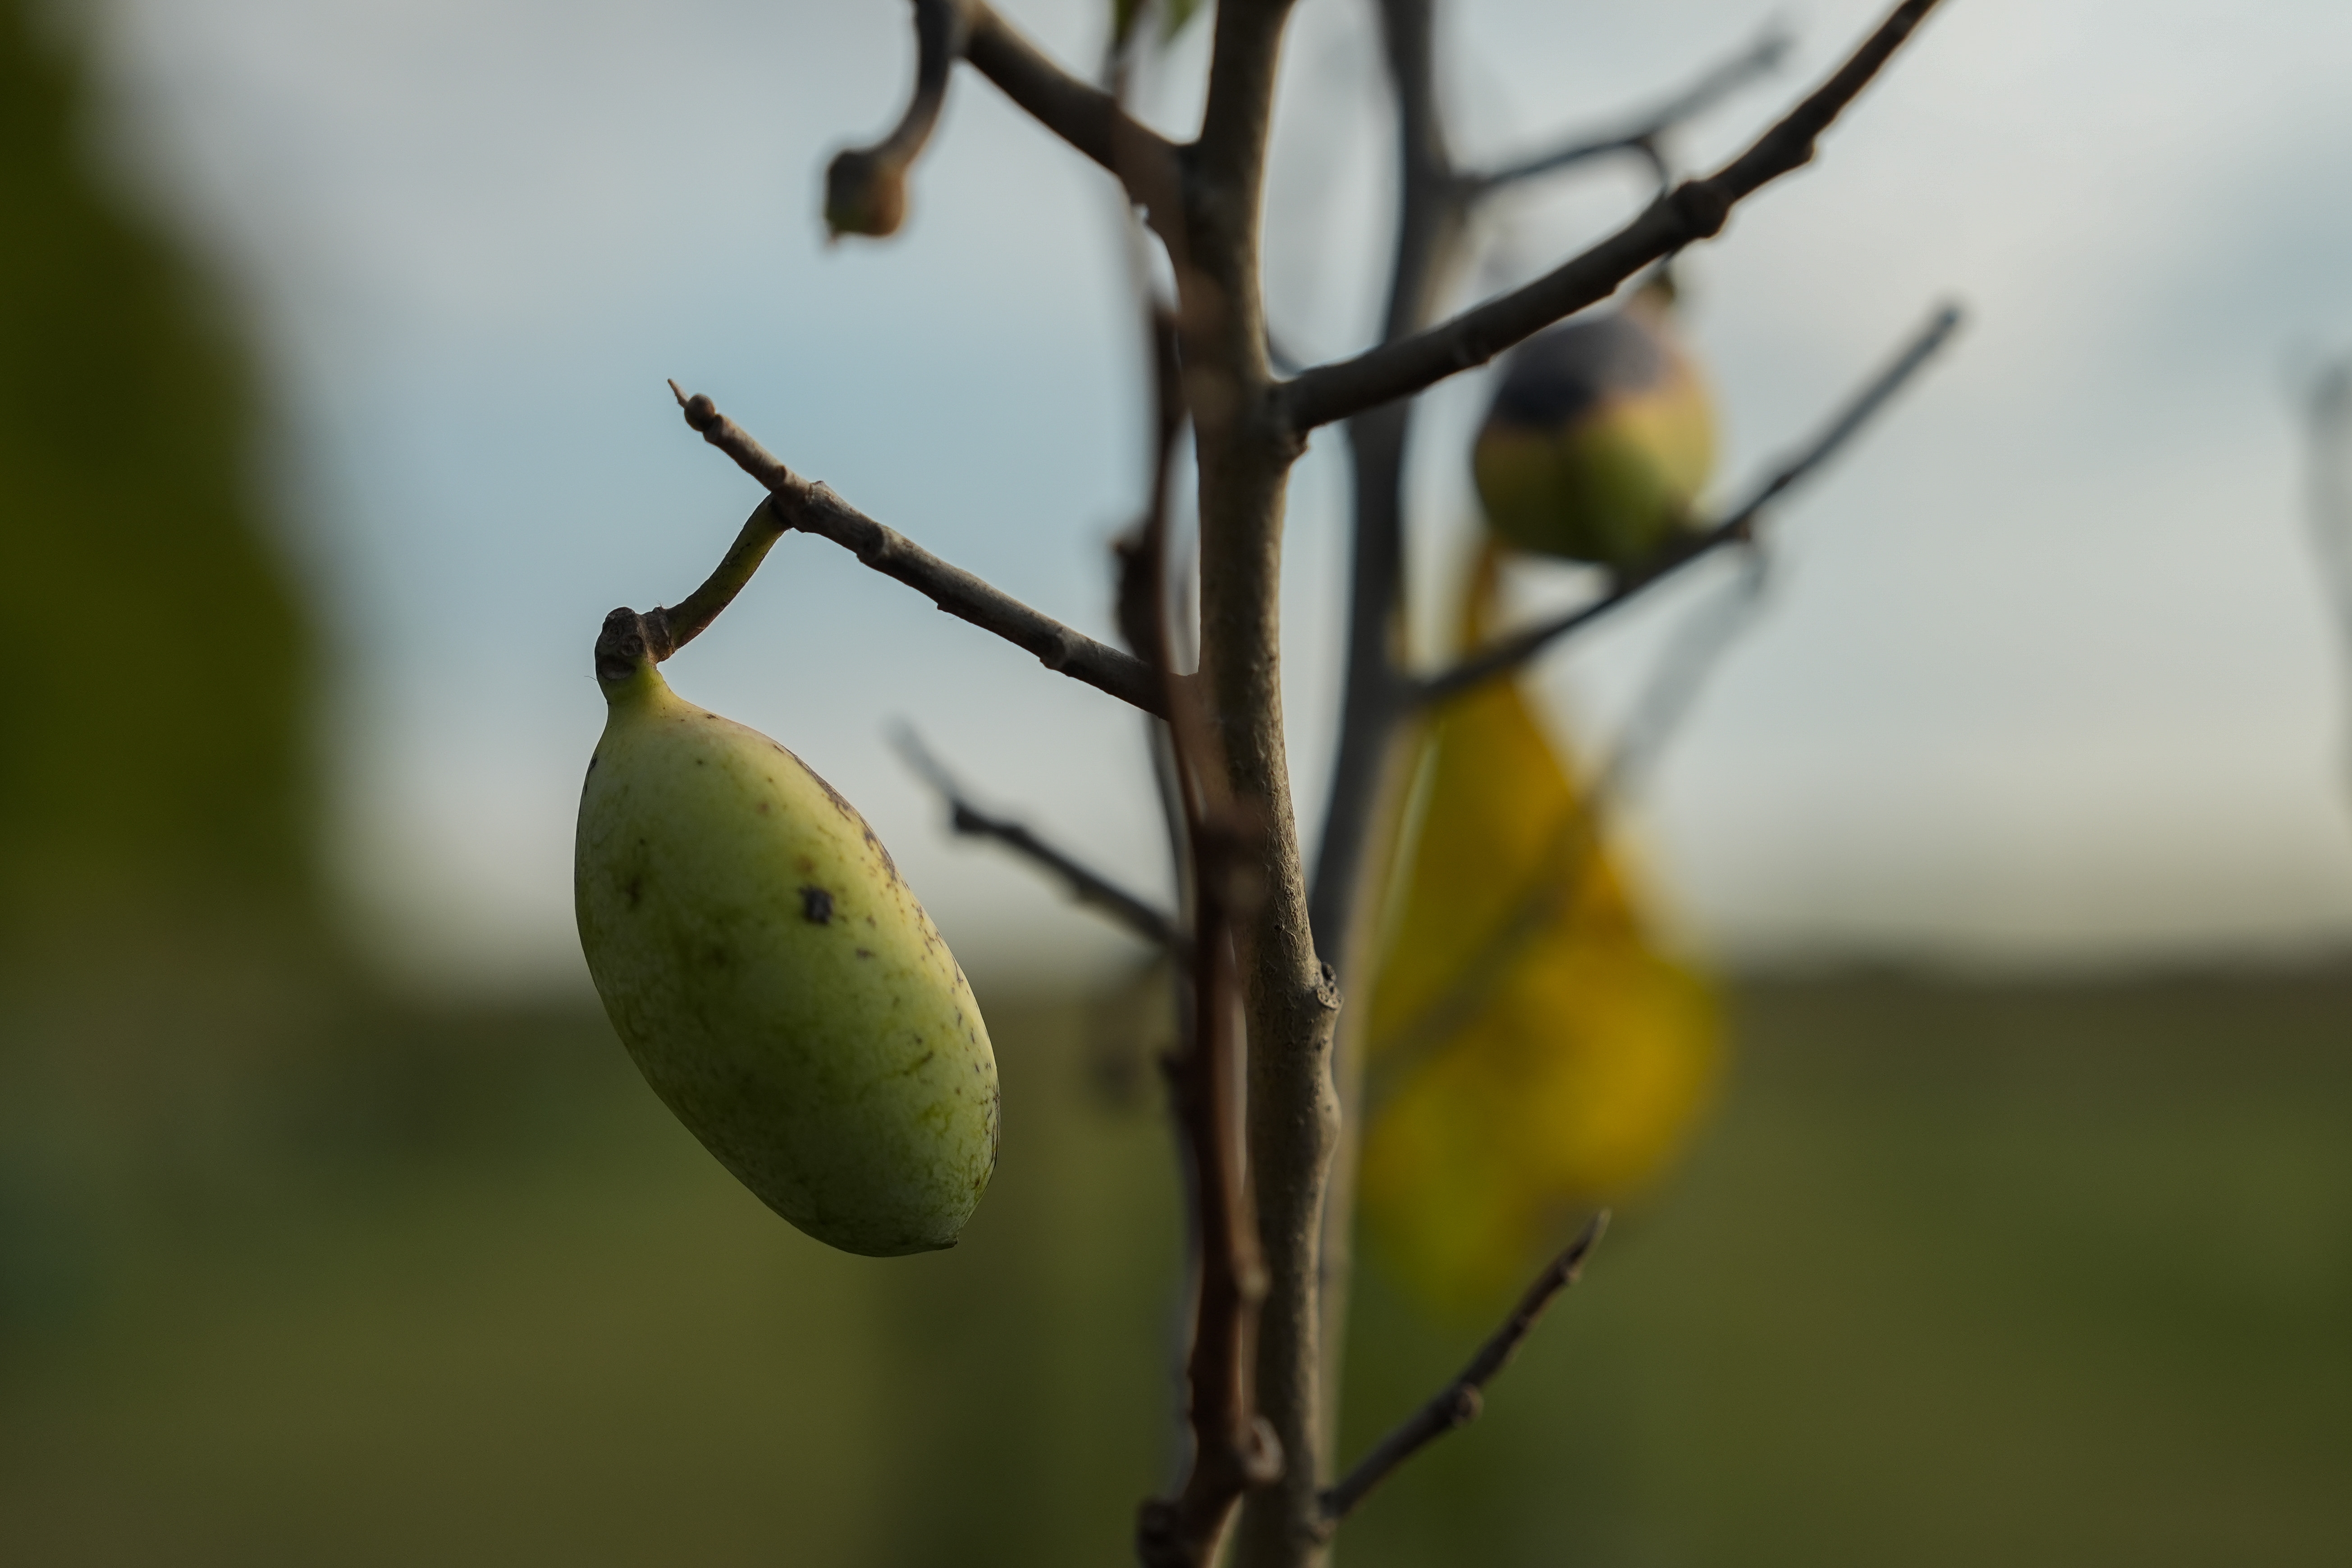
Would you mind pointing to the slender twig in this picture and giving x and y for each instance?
(1433, 232)
(1090, 886)
(1705, 634)
(813, 508)
(1091, 121)
(670, 629)
(1242, 455)
(1511, 652)
(1374, 761)
(1695, 210)
(1229, 1445)
(1459, 1402)
(865, 187)
(1233, 1447)
(1642, 131)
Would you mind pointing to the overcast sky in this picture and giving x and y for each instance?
(2046, 674)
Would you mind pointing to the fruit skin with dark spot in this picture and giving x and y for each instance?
(838, 1066)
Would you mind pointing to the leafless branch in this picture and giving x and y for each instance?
(1091, 120)
(796, 502)
(865, 187)
(668, 629)
(1642, 131)
(1695, 210)
(1090, 886)
(1230, 1446)
(1511, 652)
(1233, 1448)
(1707, 633)
(1459, 1402)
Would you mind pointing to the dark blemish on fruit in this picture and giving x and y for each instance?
(869, 919)
(763, 809)
(804, 864)
(635, 888)
(816, 906)
(864, 953)
(699, 762)
(593, 761)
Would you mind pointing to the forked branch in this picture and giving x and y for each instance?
(865, 187)
(796, 502)
(1694, 210)
(1233, 1448)
(1509, 653)
(1459, 1402)
(1643, 131)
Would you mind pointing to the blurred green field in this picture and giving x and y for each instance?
(2056, 1274)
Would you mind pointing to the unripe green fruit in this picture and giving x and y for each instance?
(775, 979)
(1599, 441)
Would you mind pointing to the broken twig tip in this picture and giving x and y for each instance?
(702, 414)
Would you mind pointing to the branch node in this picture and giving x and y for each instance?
(794, 502)
(1327, 988)
(702, 414)
(1702, 207)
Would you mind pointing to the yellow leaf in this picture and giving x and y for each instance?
(1530, 1053)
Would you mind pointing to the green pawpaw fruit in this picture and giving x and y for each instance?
(773, 977)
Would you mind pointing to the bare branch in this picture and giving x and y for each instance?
(1695, 210)
(1091, 120)
(1087, 886)
(1511, 652)
(1705, 634)
(1233, 1447)
(865, 187)
(1642, 131)
(1459, 1402)
(671, 629)
(813, 509)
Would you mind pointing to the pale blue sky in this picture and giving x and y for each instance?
(2046, 675)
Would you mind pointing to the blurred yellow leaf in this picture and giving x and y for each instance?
(1530, 1053)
